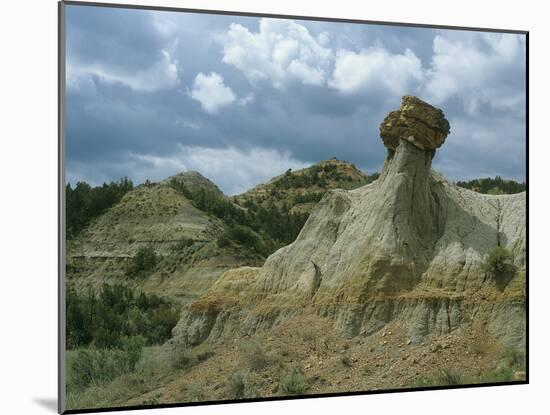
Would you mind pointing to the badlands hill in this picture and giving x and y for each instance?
(301, 189)
(391, 272)
(184, 219)
(321, 280)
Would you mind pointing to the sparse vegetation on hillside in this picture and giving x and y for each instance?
(498, 262)
(242, 235)
(85, 202)
(496, 186)
(241, 386)
(316, 175)
(143, 261)
(263, 229)
(99, 366)
(211, 202)
(181, 245)
(105, 319)
(252, 354)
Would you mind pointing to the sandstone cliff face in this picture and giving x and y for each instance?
(408, 247)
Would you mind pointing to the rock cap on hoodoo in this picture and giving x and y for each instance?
(416, 121)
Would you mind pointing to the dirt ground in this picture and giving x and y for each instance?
(324, 362)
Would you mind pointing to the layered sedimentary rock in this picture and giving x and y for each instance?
(417, 122)
(409, 247)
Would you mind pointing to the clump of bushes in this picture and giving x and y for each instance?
(444, 377)
(143, 261)
(179, 358)
(252, 354)
(293, 383)
(245, 236)
(105, 318)
(514, 358)
(241, 387)
(499, 262)
(500, 374)
(98, 366)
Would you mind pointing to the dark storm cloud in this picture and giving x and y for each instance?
(242, 99)
(114, 37)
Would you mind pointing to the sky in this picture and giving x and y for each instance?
(150, 94)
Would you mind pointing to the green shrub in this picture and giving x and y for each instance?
(514, 358)
(88, 367)
(241, 387)
(144, 260)
(495, 191)
(133, 348)
(450, 377)
(179, 358)
(500, 374)
(106, 339)
(498, 261)
(105, 318)
(252, 354)
(243, 235)
(511, 360)
(444, 377)
(293, 384)
(223, 241)
(236, 385)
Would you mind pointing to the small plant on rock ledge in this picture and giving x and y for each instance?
(499, 263)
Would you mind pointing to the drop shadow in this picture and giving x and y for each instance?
(48, 403)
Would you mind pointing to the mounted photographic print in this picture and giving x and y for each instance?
(260, 207)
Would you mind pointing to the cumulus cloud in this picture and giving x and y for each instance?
(479, 69)
(319, 89)
(233, 170)
(375, 67)
(211, 92)
(280, 51)
(161, 74)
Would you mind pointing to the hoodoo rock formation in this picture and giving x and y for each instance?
(417, 122)
(409, 247)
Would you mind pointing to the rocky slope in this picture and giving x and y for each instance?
(408, 248)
